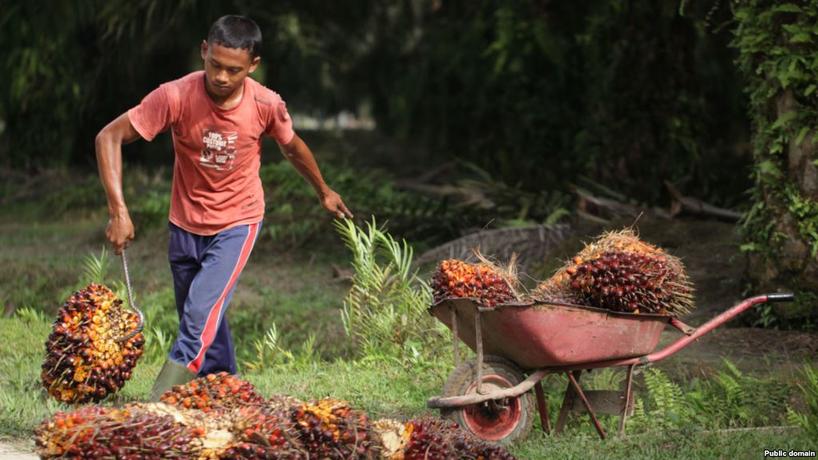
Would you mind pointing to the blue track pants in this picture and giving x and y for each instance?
(205, 271)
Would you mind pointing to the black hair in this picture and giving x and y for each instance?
(236, 32)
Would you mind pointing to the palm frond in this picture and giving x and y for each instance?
(95, 268)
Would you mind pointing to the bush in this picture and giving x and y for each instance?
(385, 310)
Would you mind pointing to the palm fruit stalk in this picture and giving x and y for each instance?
(484, 281)
(96, 432)
(213, 392)
(84, 360)
(329, 428)
(620, 272)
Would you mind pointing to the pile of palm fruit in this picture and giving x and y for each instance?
(85, 361)
(483, 281)
(617, 271)
(433, 438)
(213, 392)
(620, 272)
(235, 422)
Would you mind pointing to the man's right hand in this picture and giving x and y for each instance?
(120, 232)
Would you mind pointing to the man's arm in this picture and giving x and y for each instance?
(108, 145)
(302, 158)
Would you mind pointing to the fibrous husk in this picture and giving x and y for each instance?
(84, 360)
(389, 434)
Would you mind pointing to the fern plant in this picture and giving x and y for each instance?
(807, 420)
(385, 309)
(663, 407)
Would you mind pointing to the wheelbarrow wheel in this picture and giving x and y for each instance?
(503, 421)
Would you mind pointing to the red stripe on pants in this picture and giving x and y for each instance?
(209, 331)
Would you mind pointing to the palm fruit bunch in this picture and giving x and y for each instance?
(427, 439)
(214, 392)
(128, 433)
(250, 451)
(84, 359)
(483, 281)
(330, 428)
(620, 272)
(437, 439)
(265, 425)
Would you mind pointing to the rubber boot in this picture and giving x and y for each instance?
(172, 373)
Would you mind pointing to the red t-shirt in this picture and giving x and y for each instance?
(216, 182)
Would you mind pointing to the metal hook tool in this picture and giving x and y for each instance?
(131, 302)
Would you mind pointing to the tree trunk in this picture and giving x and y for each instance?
(777, 50)
(789, 264)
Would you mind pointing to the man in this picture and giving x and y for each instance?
(217, 118)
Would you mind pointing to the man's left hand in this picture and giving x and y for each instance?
(332, 202)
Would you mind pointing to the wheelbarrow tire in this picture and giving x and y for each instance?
(510, 422)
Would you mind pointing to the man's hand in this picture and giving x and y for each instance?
(332, 202)
(302, 158)
(120, 232)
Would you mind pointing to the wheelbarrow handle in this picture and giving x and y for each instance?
(781, 297)
(693, 334)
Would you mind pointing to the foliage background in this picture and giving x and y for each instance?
(628, 92)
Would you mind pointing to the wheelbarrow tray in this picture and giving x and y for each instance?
(537, 335)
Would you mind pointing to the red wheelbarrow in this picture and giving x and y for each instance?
(517, 345)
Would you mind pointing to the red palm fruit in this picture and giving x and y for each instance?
(455, 278)
(82, 347)
(330, 428)
(433, 438)
(628, 282)
(266, 425)
(250, 451)
(213, 392)
(130, 432)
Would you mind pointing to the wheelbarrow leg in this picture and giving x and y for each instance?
(628, 398)
(567, 401)
(542, 408)
(455, 338)
(478, 339)
(587, 406)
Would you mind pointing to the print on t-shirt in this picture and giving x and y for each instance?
(219, 149)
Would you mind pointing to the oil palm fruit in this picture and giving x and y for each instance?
(130, 432)
(620, 272)
(330, 428)
(483, 281)
(84, 360)
(630, 282)
(213, 392)
(251, 451)
(431, 438)
(266, 425)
